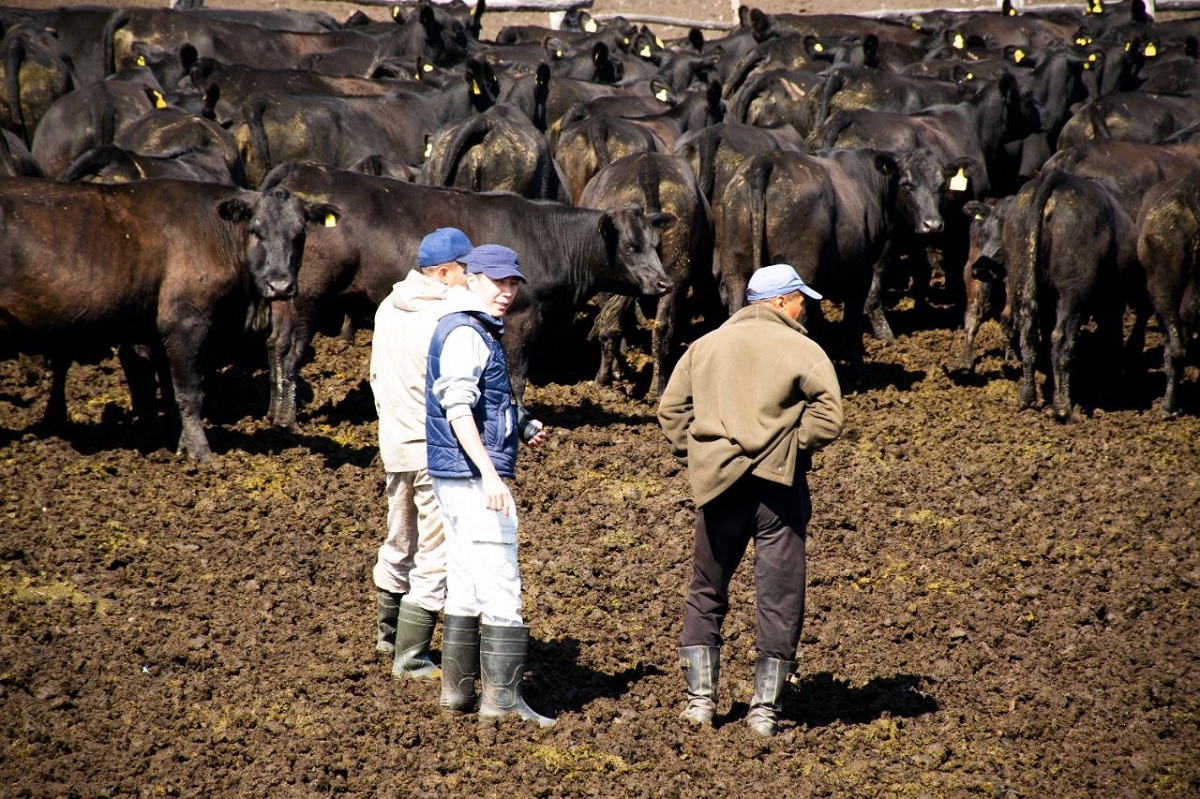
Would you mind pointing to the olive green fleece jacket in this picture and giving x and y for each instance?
(755, 395)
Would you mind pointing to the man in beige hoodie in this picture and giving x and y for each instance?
(410, 569)
(745, 407)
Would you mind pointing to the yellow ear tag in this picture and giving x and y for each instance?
(1150, 50)
(395, 11)
(428, 148)
(970, 76)
(659, 43)
(818, 47)
(1081, 42)
(914, 26)
(625, 41)
(1018, 56)
(330, 220)
(958, 42)
(590, 26)
(978, 217)
(475, 88)
(558, 53)
(1087, 65)
(1092, 58)
(661, 95)
(1012, 12)
(959, 181)
(159, 102)
(427, 67)
(141, 61)
(645, 51)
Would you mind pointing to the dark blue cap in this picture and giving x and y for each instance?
(494, 260)
(442, 246)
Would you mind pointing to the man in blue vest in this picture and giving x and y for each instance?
(473, 428)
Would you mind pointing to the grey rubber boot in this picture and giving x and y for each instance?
(414, 631)
(502, 652)
(387, 605)
(460, 662)
(770, 678)
(701, 668)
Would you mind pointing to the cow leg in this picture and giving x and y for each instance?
(1062, 354)
(1027, 348)
(873, 305)
(286, 345)
(661, 339)
(55, 417)
(1173, 352)
(137, 364)
(182, 341)
(978, 299)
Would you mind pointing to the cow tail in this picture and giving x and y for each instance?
(260, 150)
(87, 164)
(14, 56)
(1096, 118)
(834, 83)
(760, 178)
(741, 70)
(444, 165)
(746, 95)
(826, 135)
(1030, 272)
(118, 20)
(707, 158)
(598, 140)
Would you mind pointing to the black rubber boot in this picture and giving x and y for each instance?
(770, 678)
(387, 606)
(701, 669)
(414, 631)
(460, 662)
(502, 652)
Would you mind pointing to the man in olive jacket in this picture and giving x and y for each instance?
(745, 407)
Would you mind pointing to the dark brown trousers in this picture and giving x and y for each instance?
(776, 518)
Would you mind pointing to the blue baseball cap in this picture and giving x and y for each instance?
(775, 281)
(494, 260)
(442, 246)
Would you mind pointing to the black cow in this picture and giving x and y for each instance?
(985, 257)
(568, 254)
(89, 117)
(716, 151)
(1070, 253)
(976, 128)
(846, 199)
(157, 263)
(1168, 229)
(659, 182)
(498, 150)
(342, 130)
(1129, 168)
(1130, 116)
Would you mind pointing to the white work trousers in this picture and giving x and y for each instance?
(412, 560)
(482, 577)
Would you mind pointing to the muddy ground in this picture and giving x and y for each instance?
(999, 604)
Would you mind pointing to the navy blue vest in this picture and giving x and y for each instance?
(495, 415)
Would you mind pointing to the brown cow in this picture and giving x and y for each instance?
(156, 263)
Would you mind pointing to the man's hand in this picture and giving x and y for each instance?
(499, 498)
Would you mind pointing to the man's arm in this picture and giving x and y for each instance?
(822, 419)
(499, 498)
(675, 409)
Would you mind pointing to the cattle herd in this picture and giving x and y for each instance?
(180, 182)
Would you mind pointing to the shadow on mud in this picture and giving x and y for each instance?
(821, 699)
(575, 687)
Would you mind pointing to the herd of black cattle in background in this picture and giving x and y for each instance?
(170, 170)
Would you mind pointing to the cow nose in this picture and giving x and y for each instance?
(665, 285)
(281, 289)
(932, 226)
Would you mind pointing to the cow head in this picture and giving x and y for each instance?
(985, 260)
(918, 191)
(273, 224)
(631, 239)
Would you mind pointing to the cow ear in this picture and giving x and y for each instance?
(605, 225)
(322, 213)
(234, 210)
(662, 91)
(188, 56)
(664, 220)
(695, 38)
(974, 209)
